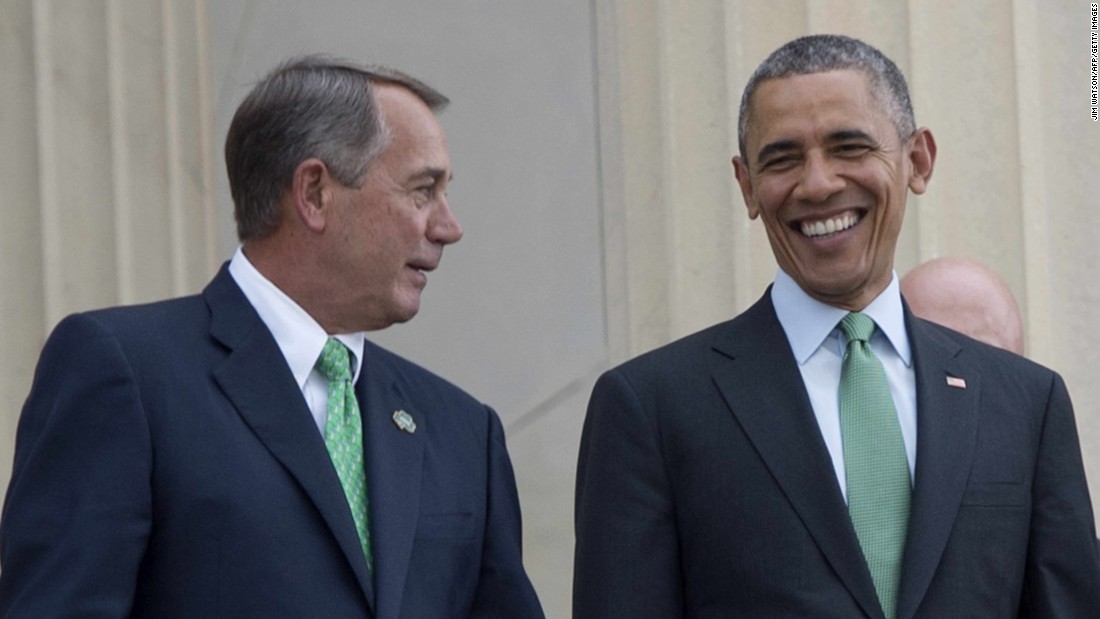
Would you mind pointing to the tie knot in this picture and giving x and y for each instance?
(857, 327)
(335, 361)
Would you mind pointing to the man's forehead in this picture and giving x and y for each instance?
(843, 97)
(848, 86)
(407, 118)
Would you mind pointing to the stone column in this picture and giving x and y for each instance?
(106, 169)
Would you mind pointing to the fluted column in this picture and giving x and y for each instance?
(106, 169)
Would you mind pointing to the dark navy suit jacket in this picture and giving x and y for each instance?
(167, 466)
(705, 488)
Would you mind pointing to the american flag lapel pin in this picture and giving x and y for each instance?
(956, 382)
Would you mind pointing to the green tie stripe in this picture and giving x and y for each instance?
(874, 461)
(344, 436)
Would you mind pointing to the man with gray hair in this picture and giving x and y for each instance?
(826, 453)
(247, 452)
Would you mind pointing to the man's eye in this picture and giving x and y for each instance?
(779, 163)
(852, 149)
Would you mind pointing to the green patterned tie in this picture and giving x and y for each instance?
(874, 461)
(344, 435)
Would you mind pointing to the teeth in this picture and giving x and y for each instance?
(829, 226)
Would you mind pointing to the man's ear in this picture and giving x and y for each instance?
(741, 171)
(311, 194)
(922, 156)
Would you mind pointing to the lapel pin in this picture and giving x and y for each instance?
(956, 382)
(404, 421)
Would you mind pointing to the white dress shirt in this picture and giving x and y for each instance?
(298, 335)
(818, 346)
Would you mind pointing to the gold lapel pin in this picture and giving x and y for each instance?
(954, 381)
(404, 421)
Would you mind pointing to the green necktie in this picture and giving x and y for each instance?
(874, 461)
(344, 435)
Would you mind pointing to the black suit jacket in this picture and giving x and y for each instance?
(167, 466)
(704, 488)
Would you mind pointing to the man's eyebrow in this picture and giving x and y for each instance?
(845, 135)
(436, 174)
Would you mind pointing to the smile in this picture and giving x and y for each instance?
(815, 229)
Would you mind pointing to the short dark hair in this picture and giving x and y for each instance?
(829, 52)
(309, 106)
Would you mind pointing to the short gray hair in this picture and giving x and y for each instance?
(829, 52)
(309, 106)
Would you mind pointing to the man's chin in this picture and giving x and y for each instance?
(406, 311)
(852, 295)
(395, 315)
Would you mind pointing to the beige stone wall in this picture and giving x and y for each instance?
(110, 169)
(105, 170)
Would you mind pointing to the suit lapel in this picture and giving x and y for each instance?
(258, 382)
(394, 461)
(755, 371)
(947, 429)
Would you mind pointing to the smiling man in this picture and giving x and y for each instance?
(827, 454)
(247, 452)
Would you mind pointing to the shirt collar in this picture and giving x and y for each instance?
(298, 335)
(808, 322)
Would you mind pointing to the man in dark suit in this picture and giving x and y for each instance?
(827, 454)
(246, 452)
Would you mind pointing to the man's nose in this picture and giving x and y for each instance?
(444, 228)
(819, 180)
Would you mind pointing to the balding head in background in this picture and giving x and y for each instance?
(966, 296)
